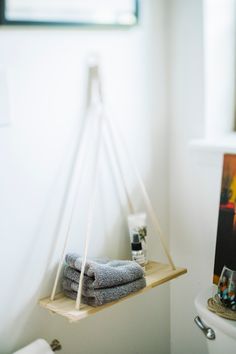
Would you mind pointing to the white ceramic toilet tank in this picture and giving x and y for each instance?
(225, 330)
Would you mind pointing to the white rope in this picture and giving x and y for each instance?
(90, 216)
(146, 198)
(79, 163)
(114, 148)
(121, 172)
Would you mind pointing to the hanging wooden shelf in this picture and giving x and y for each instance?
(156, 274)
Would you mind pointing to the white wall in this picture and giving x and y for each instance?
(219, 73)
(195, 176)
(46, 72)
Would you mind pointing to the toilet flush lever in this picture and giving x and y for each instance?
(209, 333)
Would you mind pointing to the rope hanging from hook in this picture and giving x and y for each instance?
(94, 95)
(95, 98)
(90, 213)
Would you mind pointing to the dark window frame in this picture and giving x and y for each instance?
(5, 21)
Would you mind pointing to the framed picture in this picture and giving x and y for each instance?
(69, 12)
(225, 253)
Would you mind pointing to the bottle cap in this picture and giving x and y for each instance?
(136, 238)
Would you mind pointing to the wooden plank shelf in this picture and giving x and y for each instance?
(155, 274)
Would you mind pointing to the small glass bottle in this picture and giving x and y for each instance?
(137, 252)
(138, 225)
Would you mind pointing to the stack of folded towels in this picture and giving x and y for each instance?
(104, 280)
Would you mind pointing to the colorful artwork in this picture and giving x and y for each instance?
(225, 255)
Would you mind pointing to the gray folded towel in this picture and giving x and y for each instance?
(74, 275)
(100, 297)
(106, 273)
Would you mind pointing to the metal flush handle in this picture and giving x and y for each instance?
(208, 332)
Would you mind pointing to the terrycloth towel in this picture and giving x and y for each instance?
(74, 275)
(105, 273)
(99, 297)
